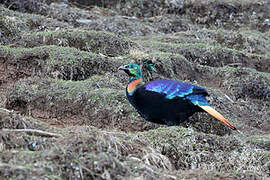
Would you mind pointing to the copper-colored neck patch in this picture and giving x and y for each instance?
(132, 86)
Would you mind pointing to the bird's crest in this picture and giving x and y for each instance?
(151, 64)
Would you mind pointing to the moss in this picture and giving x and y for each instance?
(167, 134)
(245, 81)
(250, 41)
(59, 90)
(215, 56)
(93, 41)
(27, 22)
(115, 152)
(239, 86)
(8, 29)
(91, 155)
(63, 74)
(187, 148)
(66, 98)
(12, 120)
(260, 141)
(206, 47)
(174, 66)
(58, 62)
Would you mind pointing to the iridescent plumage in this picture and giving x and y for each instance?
(167, 101)
(132, 86)
(174, 89)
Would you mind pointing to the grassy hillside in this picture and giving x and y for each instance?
(63, 110)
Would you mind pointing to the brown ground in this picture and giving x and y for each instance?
(59, 74)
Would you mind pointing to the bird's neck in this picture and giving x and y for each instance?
(133, 84)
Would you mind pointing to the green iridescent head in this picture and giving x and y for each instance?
(133, 70)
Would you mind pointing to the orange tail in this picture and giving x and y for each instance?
(217, 115)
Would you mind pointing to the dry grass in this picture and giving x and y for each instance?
(68, 117)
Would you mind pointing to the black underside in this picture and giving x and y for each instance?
(154, 107)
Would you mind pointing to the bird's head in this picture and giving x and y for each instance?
(133, 70)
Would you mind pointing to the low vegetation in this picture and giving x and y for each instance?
(63, 110)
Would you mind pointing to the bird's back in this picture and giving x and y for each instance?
(157, 101)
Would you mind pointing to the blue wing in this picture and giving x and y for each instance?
(174, 89)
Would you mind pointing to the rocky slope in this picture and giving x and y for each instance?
(63, 111)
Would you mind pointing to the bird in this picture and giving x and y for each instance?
(167, 102)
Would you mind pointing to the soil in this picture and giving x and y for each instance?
(59, 74)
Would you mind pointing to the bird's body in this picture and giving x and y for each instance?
(155, 106)
(166, 101)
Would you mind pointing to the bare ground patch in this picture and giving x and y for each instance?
(54, 73)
